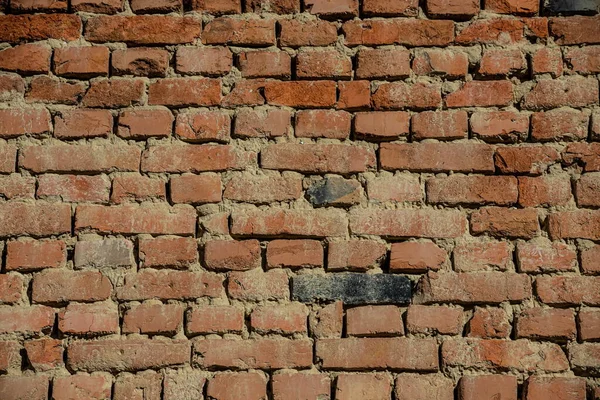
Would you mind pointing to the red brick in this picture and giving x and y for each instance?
(256, 285)
(263, 188)
(550, 190)
(232, 255)
(34, 219)
(394, 188)
(301, 94)
(442, 125)
(143, 29)
(423, 387)
(521, 355)
(501, 31)
(44, 354)
(584, 154)
(505, 222)
(589, 257)
(26, 59)
(297, 33)
(264, 353)
(318, 158)
(32, 255)
(588, 321)
(575, 91)
(15, 122)
(218, 6)
(256, 123)
(332, 9)
(294, 254)
(382, 125)
(502, 62)
(575, 30)
(170, 252)
(10, 357)
(584, 357)
(239, 32)
(587, 189)
(153, 219)
(53, 91)
(579, 224)
(8, 157)
(140, 62)
(145, 123)
(153, 319)
(19, 28)
(156, 6)
(89, 319)
(384, 8)
(214, 319)
(561, 124)
(460, 189)
(203, 126)
(246, 92)
(383, 63)
(488, 387)
(211, 61)
(97, 6)
(283, 319)
(526, 7)
(81, 123)
(454, 8)
(12, 286)
(242, 385)
(134, 187)
(265, 64)
(126, 354)
(355, 255)
(292, 386)
(328, 321)
(378, 353)
(58, 286)
(467, 288)
(179, 384)
(194, 158)
(489, 323)
(30, 387)
(12, 87)
(128, 386)
(570, 388)
(434, 320)
(437, 157)
(17, 186)
(547, 61)
(277, 6)
(546, 256)
(185, 92)
(359, 386)
(546, 323)
(31, 320)
(401, 95)
(446, 63)
(81, 62)
(323, 123)
(415, 223)
(585, 60)
(416, 257)
(525, 159)
(567, 290)
(403, 31)
(354, 95)
(374, 321)
(167, 284)
(481, 94)
(482, 255)
(500, 126)
(114, 93)
(38, 5)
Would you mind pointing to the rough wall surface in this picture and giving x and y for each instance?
(286, 200)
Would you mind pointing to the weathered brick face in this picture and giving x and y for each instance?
(299, 200)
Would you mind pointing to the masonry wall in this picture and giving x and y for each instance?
(269, 199)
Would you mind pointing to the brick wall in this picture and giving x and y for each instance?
(299, 200)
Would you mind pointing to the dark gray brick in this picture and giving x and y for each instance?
(572, 6)
(352, 288)
(334, 191)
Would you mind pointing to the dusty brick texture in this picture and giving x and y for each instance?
(299, 199)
